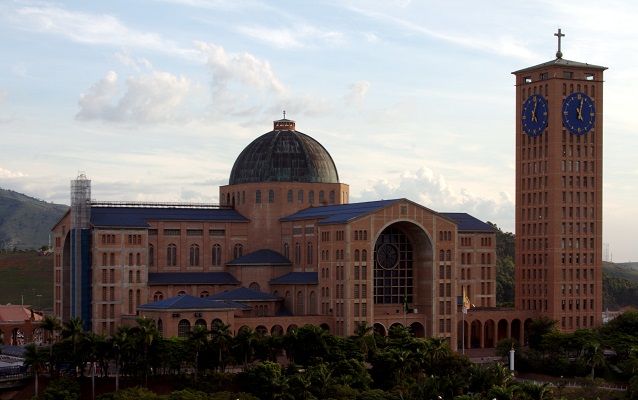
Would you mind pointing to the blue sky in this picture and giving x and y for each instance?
(154, 100)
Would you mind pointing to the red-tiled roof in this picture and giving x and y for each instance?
(11, 313)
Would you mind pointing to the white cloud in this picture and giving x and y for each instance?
(300, 36)
(138, 63)
(90, 28)
(7, 174)
(151, 98)
(357, 93)
(430, 190)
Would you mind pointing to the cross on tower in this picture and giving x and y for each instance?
(284, 114)
(559, 54)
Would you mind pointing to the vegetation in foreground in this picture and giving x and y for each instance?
(214, 364)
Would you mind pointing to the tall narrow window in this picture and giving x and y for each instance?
(258, 197)
(171, 255)
(297, 253)
(289, 198)
(216, 256)
(151, 255)
(309, 253)
(287, 251)
(238, 251)
(194, 255)
(271, 196)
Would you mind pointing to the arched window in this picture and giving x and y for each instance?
(138, 277)
(216, 256)
(258, 197)
(138, 259)
(181, 293)
(356, 235)
(364, 255)
(289, 197)
(130, 258)
(238, 251)
(138, 297)
(365, 235)
(171, 255)
(151, 255)
(448, 256)
(288, 300)
(287, 251)
(204, 294)
(130, 277)
(300, 196)
(104, 259)
(299, 309)
(254, 286)
(489, 258)
(309, 253)
(322, 197)
(356, 255)
(331, 198)
(297, 253)
(194, 255)
(158, 296)
(462, 258)
(441, 255)
(311, 196)
(271, 196)
(183, 328)
(130, 302)
(160, 327)
(112, 259)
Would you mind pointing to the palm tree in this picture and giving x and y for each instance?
(51, 324)
(146, 332)
(73, 329)
(593, 356)
(221, 338)
(72, 332)
(198, 339)
(121, 344)
(364, 336)
(244, 342)
(534, 391)
(35, 360)
(92, 345)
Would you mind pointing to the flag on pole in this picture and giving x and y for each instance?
(405, 302)
(466, 301)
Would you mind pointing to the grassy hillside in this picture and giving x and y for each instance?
(28, 277)
(25, 222)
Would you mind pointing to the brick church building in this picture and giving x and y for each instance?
(285, 247)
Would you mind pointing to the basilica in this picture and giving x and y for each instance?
(284, 248)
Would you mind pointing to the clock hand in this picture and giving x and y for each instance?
(580, 110)
(534, 112)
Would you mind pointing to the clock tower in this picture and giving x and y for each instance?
(559, 191)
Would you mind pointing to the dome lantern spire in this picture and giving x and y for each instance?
(284, 124)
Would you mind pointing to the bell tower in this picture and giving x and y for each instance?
(559, 190)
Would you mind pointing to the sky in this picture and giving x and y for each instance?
(153, 100)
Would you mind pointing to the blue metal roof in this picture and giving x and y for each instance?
(243, 294)
(307, 278)
(185, 301)
(263, 256)
(137, 216)
(189, 278)
(339, 213)
(468, 223)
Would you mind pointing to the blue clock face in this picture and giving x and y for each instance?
(535, 115)
(579, 113)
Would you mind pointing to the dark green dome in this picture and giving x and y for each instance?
(284, 155)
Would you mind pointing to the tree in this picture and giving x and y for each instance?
(593, 356)
(537, 328)
(121, 345)
(244, 342)
(35, 360)
(146, 332)
(222, 338)
(198, 339)
(51, 325)
(72, 330)
(92, 346)
(364, 337)
(534, 391)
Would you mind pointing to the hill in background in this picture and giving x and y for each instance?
(26, 222)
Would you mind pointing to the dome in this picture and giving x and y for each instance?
(284, 155)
